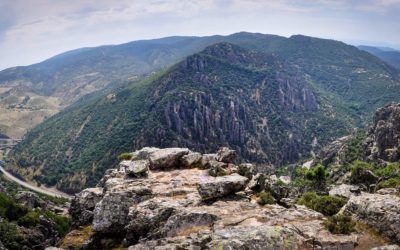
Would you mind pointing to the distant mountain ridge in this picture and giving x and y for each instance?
(389, 55)
(272, 99)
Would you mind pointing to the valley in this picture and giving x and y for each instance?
(297, 137)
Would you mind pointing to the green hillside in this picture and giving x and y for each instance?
(272, 99)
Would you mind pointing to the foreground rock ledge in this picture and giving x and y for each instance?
(176, 204)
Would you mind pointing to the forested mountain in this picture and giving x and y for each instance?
(272, 99)
(388, 55)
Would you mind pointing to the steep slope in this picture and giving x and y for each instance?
(262, 107)
(30, 94)
(271, 109)
(390, 56)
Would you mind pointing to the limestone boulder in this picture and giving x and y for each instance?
(83, 204)
(380, 211)
(167, 158)
(221, 186)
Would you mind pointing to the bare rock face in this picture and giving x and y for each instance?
(333, 152)
(181, 206)
(381, 212)
(258, 237)
(344, 190)
(384, 138)
(136, 169)
(221, 186)
(192, 159)
(111, 213)
(83, 204)
(167, 158)
(387, 247)
(226, 155)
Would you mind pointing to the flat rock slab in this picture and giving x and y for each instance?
(167, 158)
(221, 186)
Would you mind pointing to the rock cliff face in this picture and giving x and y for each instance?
(380, 144)
(384, 136)
(181, 206)
(273, 100)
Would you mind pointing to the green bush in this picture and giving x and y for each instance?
(361, 173)
(318, 176)
(9, 209)
(265, 198)
(390, 183)
(125, 156)
(62, 224)
(327, 205)
(30, 220)
(10, 236)
(340, 224)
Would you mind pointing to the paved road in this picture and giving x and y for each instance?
(43, 190)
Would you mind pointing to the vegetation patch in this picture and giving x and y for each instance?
(265, 198)
(340, 224)
(325, 204)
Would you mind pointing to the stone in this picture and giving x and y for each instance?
(191, 160)
(167, 158)
(111, 213)
(144, 153)
(206, 158)
(29, 199)
(147, 218)
(83, 204)
(137, 169)
(392, 191)
(382, 212)
(259, 237)
(216, 168)
(226, 155)
(109, 174)
(221, 186)
(344, 190)
(187, 221)
(387, 247)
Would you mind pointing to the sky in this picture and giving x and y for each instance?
(34, 30)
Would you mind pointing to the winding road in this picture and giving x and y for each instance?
(43, 190)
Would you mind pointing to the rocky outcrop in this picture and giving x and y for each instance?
(167, 158)
(384, 135)
(182, 206)
(380, 211)
(344, 190)
(138, 168)
(110, 215)
(221, 186)
(83, 204)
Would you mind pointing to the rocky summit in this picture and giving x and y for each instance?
(173, 198)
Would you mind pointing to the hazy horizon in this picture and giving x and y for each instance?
(30, 33)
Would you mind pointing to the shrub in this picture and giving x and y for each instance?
(390, 183)
(265, 198)
(125, 156)
(10, 236)
(327, 205)
(340, 224)
(361, 173)
(11, 210)
(317, 175)
(62, 224)
(31, 219)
